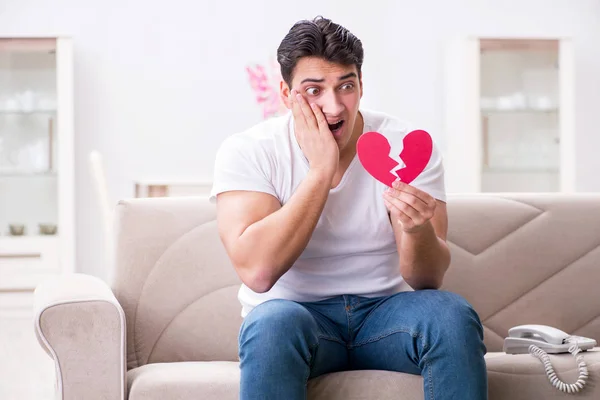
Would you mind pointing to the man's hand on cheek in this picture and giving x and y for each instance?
(313, 135)
(410, 207)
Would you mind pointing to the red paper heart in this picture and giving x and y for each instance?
(374, 154)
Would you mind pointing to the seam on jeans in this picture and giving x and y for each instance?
(430, 378)
(349, 324)
(239, 340)
(346, 309)
(331, 339)
(389, 333)
(372, 310)
(379, 303)
(311, 349)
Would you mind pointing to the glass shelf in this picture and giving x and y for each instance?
(518, 110)
(519, 170)
(24, 112)
(34, 237)
(25, 173)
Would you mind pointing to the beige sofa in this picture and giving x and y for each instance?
(167, 328)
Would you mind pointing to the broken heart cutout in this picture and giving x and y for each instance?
(374, 150)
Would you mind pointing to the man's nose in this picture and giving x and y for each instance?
(331, 104)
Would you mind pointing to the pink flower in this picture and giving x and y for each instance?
(266, 89)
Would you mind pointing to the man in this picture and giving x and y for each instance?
(328, 256)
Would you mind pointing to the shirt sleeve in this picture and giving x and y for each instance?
(241, 164)
(431, 180)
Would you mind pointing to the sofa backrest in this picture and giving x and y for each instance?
(518, 258)
(174, 281)
(527, 259)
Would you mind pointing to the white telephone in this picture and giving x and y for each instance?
(538, 340)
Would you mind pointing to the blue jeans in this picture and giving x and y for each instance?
(436, 334)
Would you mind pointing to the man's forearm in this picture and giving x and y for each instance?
(424, 257)
(273, 244)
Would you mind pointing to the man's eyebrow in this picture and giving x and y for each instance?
(350, 75)
(341, 78)
(312, 80)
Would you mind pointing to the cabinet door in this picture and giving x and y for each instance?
(509, 114)
(36, 160)
(519, 114)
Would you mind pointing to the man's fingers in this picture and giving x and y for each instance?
(419, 194)
(296, 110)
(404, 207)
(412, 200)
(309, 116)
(321, 120)
(404, 219)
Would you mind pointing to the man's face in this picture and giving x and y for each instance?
(335, 88)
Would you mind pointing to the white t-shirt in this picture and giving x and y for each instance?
(352, 249)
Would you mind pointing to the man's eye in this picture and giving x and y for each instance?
(347, 86)
(312, 91)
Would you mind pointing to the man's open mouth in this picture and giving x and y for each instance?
(336, 127)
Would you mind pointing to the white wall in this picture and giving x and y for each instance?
(158, 89)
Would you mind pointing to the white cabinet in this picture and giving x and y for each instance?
(37, 208)
(509, 115)
(36, 161)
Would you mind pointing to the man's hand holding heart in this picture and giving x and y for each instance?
(410, 207)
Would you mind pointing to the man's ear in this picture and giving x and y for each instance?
(284, 93)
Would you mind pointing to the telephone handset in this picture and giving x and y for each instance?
(538, 340)
(549, 339)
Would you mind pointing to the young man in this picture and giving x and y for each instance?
(339, 272)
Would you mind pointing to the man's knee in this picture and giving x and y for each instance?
(277, 321)
(452, 312)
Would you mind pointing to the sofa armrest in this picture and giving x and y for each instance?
(80, 324)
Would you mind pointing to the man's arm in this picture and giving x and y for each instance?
(420, 225)
(264, 239)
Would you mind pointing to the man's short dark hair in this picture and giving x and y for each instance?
(319, 38)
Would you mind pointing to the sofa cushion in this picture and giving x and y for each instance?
(216, 380)
(522, 376)
(359, 385)
(516, 377)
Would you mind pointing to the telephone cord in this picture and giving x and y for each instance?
(556, 382)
